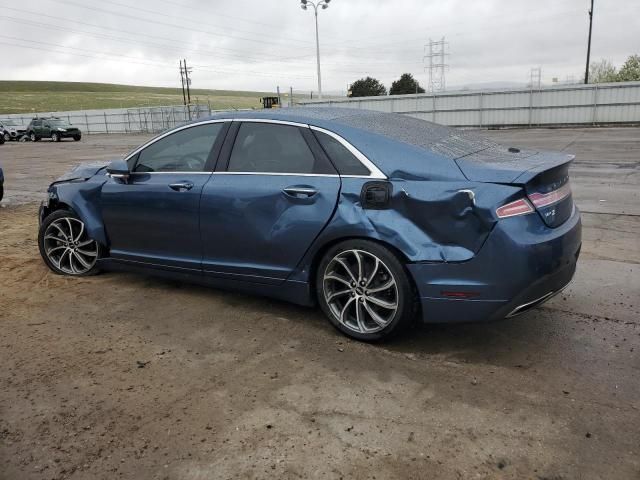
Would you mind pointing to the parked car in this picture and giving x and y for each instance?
(12, 129)
(54, 128)
(378, 218)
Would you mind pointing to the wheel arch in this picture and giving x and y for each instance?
(320, 252)
(83, 204)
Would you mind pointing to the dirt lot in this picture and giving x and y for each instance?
(126, 376)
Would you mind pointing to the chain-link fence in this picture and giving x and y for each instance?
(126, 120)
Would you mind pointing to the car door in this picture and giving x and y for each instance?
(153, 216)
(268, 200)
(45, 129)
(36, 127)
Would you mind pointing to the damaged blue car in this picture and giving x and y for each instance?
(380, 219)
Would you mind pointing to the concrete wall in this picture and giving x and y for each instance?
(593, 104)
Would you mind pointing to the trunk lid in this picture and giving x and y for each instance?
(544, 177)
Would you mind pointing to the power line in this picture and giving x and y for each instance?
(171, 25)
(133, 60)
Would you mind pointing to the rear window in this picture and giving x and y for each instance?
(345, 161)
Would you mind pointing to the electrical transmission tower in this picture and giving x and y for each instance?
(536, 78)
(435, 53)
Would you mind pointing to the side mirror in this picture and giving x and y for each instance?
(119, 169)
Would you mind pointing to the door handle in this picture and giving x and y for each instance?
(300, 191)
(181, 186)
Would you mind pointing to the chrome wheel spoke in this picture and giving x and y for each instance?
(344, 309)
(337, 294)
(382, 303)
(79, 258)
(88, 254)
(77, 238)
(374, 316)
(62, 232)
(359, 260)
(390, 283)
(360, 317)
(346, 267)
(373, 272)
(49, 252)
(337, 279)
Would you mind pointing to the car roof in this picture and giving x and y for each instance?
(398, 144)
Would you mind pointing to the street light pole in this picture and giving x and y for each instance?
(322, 4)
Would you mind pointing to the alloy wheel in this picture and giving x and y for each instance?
(360, 290)
(54, 137)
(68, 246)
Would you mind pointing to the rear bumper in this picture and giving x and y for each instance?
(522, 264)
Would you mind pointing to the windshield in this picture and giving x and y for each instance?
(58, 123)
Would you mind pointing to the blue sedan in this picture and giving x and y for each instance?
(380, 219)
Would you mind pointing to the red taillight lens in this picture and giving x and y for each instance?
(519, 207)
(544, 199)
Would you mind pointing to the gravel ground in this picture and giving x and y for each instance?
(128, 376)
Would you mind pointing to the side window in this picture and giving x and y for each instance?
(184, 151)
(345, 161)
(274, 148)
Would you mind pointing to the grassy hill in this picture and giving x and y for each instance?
(28, 96)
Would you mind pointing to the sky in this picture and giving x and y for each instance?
(258, 45)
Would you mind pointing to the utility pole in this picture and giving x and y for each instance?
(187, 81)
(436, 67)
(184, 97)
(586, 72)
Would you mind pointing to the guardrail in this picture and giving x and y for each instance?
(592, 104)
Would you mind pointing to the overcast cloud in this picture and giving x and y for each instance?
(249, 45)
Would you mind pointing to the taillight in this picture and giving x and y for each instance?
(513, 209)
(545, 199)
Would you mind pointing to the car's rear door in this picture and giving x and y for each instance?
(153, 217)
(269, 200)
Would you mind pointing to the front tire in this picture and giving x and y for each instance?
(55, 137)
(65, 245)
(7, 137)
(364, 290)
(76, 138)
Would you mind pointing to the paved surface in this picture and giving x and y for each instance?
(244, 387)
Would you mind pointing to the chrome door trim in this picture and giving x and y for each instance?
(281, 174)
(375, 171)
(268, 120)
(169, 132)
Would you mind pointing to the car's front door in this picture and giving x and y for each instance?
(153, 217)
(259, 216)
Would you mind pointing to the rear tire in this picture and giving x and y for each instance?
(65, 246)
(33, 137)
(364, 290)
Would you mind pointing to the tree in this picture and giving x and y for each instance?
(630, 71)
(405, 85)
(367, 87)
(602, 72)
